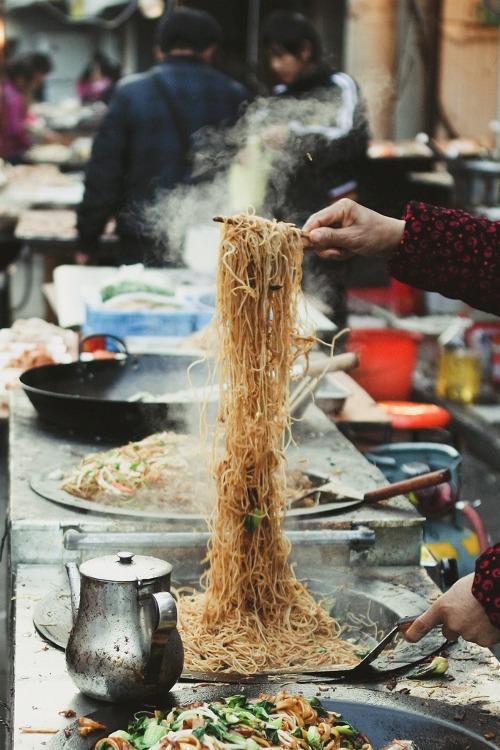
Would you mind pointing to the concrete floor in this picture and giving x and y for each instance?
(478, 480)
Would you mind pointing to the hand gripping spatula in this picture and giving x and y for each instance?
(353, 672)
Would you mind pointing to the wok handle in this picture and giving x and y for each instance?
(430, 479)
(101, 341)
(322, 364)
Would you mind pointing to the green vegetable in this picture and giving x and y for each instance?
(272, 734)
(236, 739)
(235, 723)
(345, 729)
(128, 286)
(438, 666)
(254, 520)
(313, 736)
(153, 734)
(218, 729)
(233, 701)
(264, 707)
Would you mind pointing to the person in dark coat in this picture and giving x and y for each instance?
(320, 129)
(143, 145)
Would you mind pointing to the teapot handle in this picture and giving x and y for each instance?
(167, 614)
(166, 610)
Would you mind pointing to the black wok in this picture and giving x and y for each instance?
(430, 724)
(90, 398)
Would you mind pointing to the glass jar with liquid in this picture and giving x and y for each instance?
(459, 374)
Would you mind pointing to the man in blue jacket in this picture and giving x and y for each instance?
(145, 142)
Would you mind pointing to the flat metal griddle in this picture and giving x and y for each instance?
(381, 717)
(48, 486)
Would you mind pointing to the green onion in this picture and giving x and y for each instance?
(254, 520)
(438, 666)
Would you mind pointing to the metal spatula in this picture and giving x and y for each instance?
(400, 627)
(339, 487)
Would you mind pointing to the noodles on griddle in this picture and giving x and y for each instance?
(254, 614)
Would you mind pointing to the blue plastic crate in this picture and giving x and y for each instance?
(141, 322)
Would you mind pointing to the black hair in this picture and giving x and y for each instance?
(19, 67)
(40, 62)
(26, 65)
(290, 30)
(187, 28)
(106, 65)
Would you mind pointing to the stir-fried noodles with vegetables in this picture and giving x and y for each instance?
(161, 467)
(283, 721)
(253, 614)
(166, 471)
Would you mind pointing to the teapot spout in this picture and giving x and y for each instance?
(74, 586)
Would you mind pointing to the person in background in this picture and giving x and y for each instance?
(458, 255)
(25, 75)
(97, 80)
(144, 143)
(41, 65)
(319, 131)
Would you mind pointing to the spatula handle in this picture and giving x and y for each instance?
(420, 482)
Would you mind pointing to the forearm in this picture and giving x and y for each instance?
(486, 584)
(450, 252)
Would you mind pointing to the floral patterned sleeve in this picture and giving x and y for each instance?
(486, 584)
(451, 252)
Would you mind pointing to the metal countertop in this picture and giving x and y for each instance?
(39, 528)
(42, 688)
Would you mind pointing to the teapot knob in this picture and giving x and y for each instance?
(125, 558)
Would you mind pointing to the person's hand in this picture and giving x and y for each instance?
(346, 228)
(459, 612)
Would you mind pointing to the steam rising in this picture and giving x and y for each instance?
(234, 168)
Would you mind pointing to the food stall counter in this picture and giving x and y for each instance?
(46, 702)
(373, 547)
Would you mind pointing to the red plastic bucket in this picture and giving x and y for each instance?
(386, 361)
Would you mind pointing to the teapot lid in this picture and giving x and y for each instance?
(125, 566)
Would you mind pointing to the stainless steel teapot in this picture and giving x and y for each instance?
(124, 643)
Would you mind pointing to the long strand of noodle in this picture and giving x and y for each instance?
(254, 614)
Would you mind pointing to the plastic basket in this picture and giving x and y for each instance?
(143, 322)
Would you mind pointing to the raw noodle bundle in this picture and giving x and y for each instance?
(254, 614)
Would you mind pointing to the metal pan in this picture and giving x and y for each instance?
(91, 398)
(380, 716)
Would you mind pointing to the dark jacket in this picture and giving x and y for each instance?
(143, 141)
(452, 252)
(327, 142)
(328, 136)
(486, 583)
